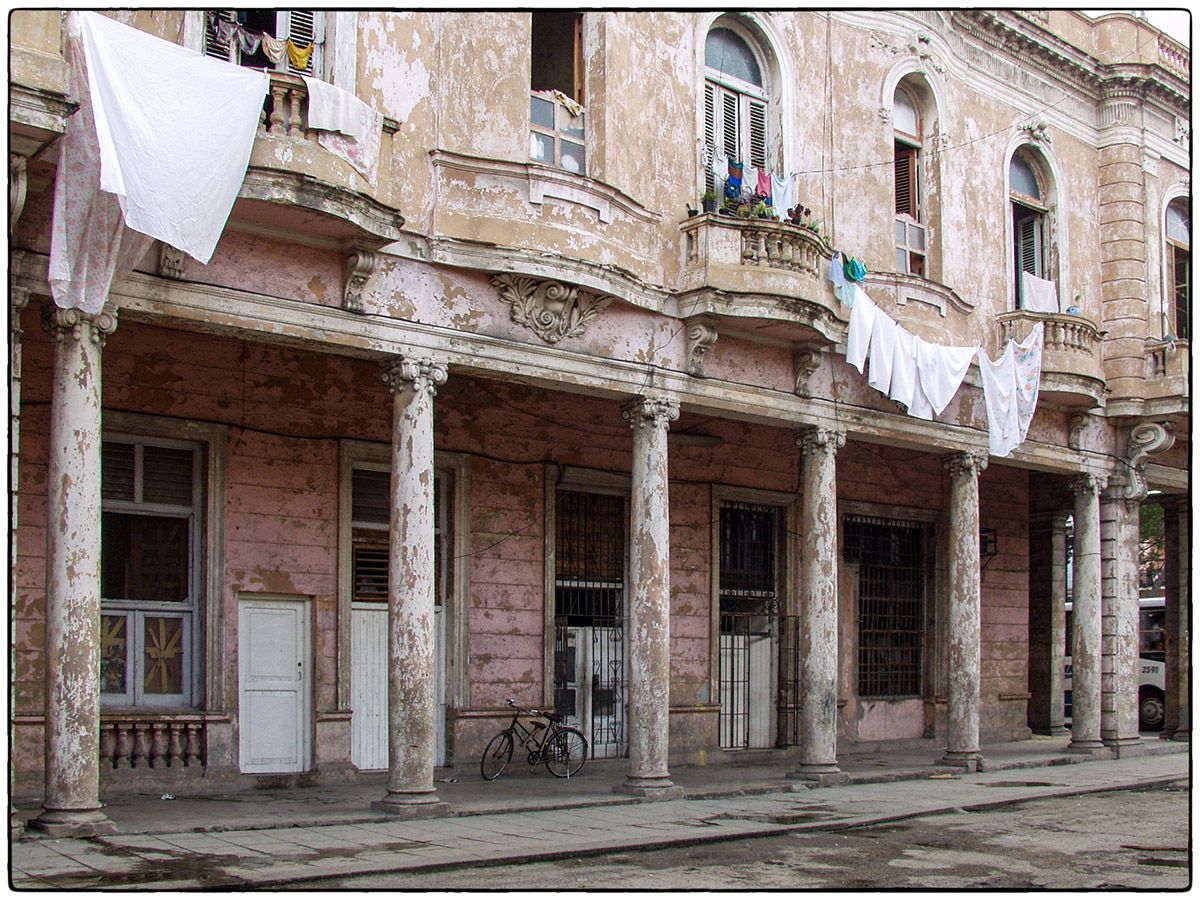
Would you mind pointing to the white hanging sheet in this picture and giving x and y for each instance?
(883, 349)
(1010, 391)
(941, 370)
(348, 127)
(904, 368)
(862, 322)
(175, 130)
(1038, 294)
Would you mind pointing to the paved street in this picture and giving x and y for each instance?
(1121, 840)
(299, 851)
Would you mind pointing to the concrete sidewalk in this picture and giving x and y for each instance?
(272, 837)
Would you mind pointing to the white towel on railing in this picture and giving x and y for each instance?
(349, 127)
(174, 130)
(1038, 294)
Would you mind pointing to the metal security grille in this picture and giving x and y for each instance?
(789, 681)
(749, 608)
(589, 598)
(891, 603)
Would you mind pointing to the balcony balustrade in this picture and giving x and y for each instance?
(1072, 373)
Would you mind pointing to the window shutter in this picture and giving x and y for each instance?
(117, 463)
(212, 45)
(729, 126)
(303, 27)
(758, 133)
(904, 182)
(167, 475)
(1027, 245)
(710, 120)
(370, 575)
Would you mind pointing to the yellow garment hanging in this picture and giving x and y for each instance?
(299, 58)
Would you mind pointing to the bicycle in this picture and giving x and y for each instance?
(562, 748)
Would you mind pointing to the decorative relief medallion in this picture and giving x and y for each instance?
(360, 265)
(170, 261)
(807, 361)
(1036, 130)
(700, 336)
(552, 310)
(1078, 423)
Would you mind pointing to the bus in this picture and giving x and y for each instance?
(1152, 656)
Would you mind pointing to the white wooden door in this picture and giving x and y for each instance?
(369, 685)
(273, 677)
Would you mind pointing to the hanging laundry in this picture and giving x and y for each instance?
(782, 194)
(941, 370)
(855, 269)
(248, 42)
(331, 109)
(298, 57)
(904, 368)
(174, 131)
(720, 167)
(862, 323)
(1038, 294)
(733, 179)
(1027, 360)
(920, 407)
(836, 277)
(223, 30)
(273, 49)
(764, 185)
(882, 351)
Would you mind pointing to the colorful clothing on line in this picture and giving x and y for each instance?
(273, 49)
(855, 269)
(764, 184)
(299, 58)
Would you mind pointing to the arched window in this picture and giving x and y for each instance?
(1179, 266)
(1029, 205)
(735, 97)
(910, 213)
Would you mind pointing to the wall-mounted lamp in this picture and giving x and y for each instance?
(988, 546)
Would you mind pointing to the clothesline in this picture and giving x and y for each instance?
(924, 377)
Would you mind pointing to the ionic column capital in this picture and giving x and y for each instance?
(62, 323)
(1089, 483)
(419, 375)
(813, 439)
(967, 463)
(655, 412)
(18, 299)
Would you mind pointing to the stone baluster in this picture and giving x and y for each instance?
(295, 95)
(650, 603)
(192, 748)
(278, 96)
(108, 745)
(175, 746)
(412, 704)
(962, 739)
(124, 751)
(72, 730)
(141, 745)
(819, 604)
(1086, 616)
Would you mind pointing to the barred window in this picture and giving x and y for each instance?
(589, 557)
(891, 603)
(150, 551)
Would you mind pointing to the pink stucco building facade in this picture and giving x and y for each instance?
(517, 408)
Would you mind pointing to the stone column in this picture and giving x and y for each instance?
(1085, 617)
(1178, 724)
(1120, 542)
(18, 299)
(72, 804)
(412, 705)
(1047, 622)
(650, 603)
(962, 739)
(819, 606)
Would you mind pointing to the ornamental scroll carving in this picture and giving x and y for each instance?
(1144, 439)
(552, 310)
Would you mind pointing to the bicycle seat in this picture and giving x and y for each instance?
(553, 717)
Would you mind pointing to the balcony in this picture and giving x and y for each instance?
(1072, 375)
(1168, 366)
(738, 269)
(294, 183)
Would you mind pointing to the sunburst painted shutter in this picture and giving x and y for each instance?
(758, 133)
(213, 46)
(303, 27)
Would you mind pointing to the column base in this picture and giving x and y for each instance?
(1125, 747)
(16, 828)
(412, 806)
(971, 760)
(1176, 735)
(1090, 745)
(823, 774)
(650, 788)
(73, 823)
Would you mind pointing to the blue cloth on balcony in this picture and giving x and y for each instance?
(855, 269)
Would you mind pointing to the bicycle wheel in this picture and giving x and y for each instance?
(566, 752)
(496, 756)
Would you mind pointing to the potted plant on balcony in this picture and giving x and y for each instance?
(708, 201)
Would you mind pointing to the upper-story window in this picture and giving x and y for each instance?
(150, 571)
(1029, 202)
(736, 120)
(282, 40)
(1179, 267)
(909, 177)
(556, 115)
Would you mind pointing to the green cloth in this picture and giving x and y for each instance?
(854, 269)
